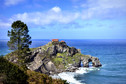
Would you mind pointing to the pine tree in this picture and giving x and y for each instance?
(19, 38)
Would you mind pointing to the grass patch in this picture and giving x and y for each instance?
(57, 60)
(45, 47)
(32, 49)
(64, 60)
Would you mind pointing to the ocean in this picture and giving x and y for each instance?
(112, 55)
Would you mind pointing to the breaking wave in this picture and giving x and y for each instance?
(70, 76)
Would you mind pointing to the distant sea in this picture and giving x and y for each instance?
(112, 54)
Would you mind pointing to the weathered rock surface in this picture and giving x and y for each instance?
(41, 64)
(95, 61)
(41, 58)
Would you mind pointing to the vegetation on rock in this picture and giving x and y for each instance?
(38, 78)
(55, 58)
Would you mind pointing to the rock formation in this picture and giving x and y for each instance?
(56, 57)
(95, 61)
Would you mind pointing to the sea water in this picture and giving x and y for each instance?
(112, 54)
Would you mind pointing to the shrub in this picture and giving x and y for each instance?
(11, 74)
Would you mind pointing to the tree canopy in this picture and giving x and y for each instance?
(19, 38)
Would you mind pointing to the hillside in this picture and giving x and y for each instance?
(13, 74)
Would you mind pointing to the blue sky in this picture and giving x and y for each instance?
(66, 19)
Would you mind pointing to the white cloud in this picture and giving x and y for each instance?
(56, 9)
(103, 8)
(91, 9)
(4, 25)
(45, 18)
(12, 2)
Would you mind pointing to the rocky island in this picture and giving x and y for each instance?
(56, 57)
(35, 65)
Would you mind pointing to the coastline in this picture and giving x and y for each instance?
(56, 57)
(71, 76)
(113, 71)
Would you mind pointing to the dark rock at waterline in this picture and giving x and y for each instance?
(94, 60)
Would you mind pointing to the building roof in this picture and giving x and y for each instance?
(55, 40)
(62, 41)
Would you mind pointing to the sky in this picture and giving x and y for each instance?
(66, 19)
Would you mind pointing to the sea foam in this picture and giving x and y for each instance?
(70, 76)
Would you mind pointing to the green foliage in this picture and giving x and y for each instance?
(19, 38)
(63, 60)
(55, 43)
(60, 54)
(38, 78)
(11, 74)
(58, 60)
(45, 47)
(14, 56)
(32, 49)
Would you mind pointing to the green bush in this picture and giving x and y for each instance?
(39, 78)
(11, 74)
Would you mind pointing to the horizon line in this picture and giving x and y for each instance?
(72, 39)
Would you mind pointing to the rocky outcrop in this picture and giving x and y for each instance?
(95, 61)
(41, 63)
(61, 48)
(58, 57)
(44, 58)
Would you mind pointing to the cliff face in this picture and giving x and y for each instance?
(56, 57)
